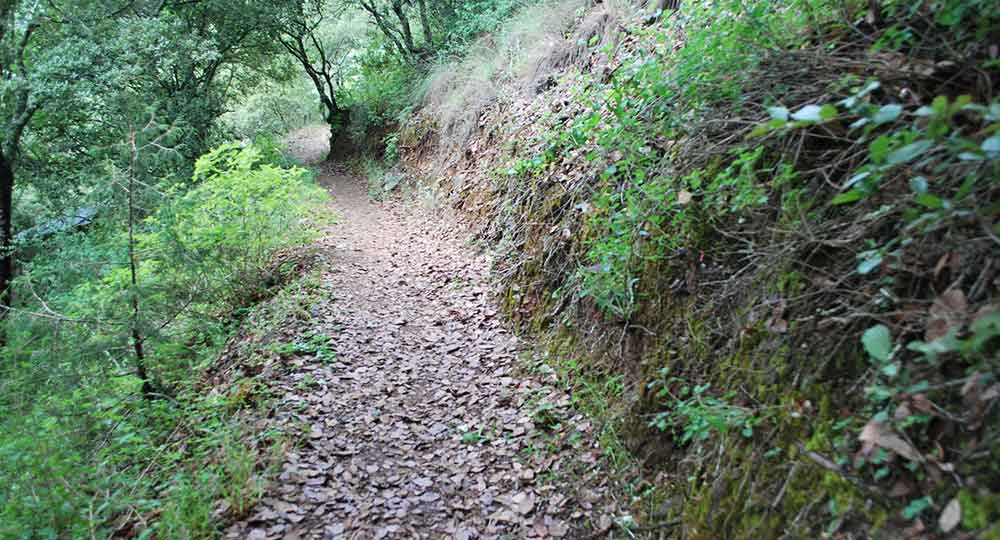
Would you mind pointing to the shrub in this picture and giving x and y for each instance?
(82, 452)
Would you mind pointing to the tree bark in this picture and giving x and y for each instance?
(299, 40)
(404, 25)
(6, 237)
(387, 30)
(425, 23)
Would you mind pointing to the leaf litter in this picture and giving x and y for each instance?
(421, 361)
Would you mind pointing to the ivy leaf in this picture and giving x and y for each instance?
(887, 114)
(879, 148)
(857, 178)
(940, 105)
(877, 342)
(993, 112)
(860, 122)
(908, 152)
(891, 370)
(930, 201)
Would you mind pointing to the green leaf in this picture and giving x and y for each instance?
(909, 152)
(940, 105)
(873, 261)
(849, 197)
(877, 342)
(993, 112)
(879, 148)
(917, 507)
(930, 201)
(887, 114)
(966, 187)
(891, 370)
(857, 178)
(828, 112)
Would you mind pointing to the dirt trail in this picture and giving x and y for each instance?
(419, 426)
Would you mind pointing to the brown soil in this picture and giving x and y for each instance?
(421, 426)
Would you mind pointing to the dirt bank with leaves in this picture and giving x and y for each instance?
(776, 228)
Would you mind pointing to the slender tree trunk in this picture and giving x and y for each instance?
(6, 239)
(386, 29)
(404, 25)
(137, 337)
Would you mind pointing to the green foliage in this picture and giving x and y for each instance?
(226, 230)
(274, 108)
(206, 253)
(645, 221)
(388, 86)
(694, 414)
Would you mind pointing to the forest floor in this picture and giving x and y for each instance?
(421, 424)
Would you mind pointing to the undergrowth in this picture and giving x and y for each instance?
(120, 422)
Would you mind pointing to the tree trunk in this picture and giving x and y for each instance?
(137, 339)
(6, 238)
(404, 25)
(425, 23)
(338, 119)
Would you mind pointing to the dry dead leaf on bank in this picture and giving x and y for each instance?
(946, 314)
(878, 434)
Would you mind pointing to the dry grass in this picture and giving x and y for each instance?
(533, 46)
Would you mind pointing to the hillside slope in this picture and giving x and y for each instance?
(776, 225)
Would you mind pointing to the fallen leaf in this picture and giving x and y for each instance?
(947, 312)
(877, 434)
(684, 196)
(558, 529)
(522, 503)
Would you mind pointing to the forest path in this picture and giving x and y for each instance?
(420, 426)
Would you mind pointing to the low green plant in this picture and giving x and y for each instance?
(694, 414)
